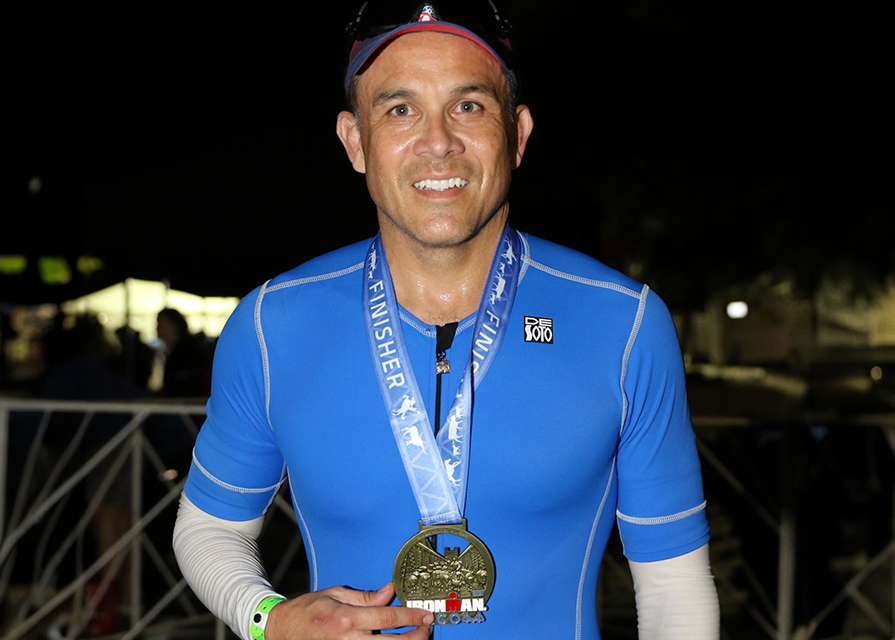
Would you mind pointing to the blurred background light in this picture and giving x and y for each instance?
(169, 475)
(35, 185)
(737, 309)
(136, 303)
(87, 265)
(54, 270)
(13, 265)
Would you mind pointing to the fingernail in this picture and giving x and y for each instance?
(428, 619)
(382, 588)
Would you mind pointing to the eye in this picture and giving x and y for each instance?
(469, 107)
(400, 110)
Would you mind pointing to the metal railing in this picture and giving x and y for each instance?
(777, 620)
(38, 513)
(42, 539)
(112, 447)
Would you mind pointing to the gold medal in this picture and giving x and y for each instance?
(455, 586)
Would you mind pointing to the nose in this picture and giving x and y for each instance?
(437, 139)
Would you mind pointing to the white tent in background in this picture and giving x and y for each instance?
(137, 302)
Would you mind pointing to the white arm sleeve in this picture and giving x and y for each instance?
(221, 562)
(676, 598)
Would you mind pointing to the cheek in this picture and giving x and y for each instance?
(385, 175)
(386, 158)
(493, 145)
(495, 157)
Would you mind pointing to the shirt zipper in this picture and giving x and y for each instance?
(444, 338)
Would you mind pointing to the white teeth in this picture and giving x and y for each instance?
(441, 185)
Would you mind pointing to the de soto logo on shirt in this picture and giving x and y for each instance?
(539, 330)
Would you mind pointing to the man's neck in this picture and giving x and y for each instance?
(444, 284)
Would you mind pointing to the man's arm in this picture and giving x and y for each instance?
(676, 598)
(661, 505)
(221, 561)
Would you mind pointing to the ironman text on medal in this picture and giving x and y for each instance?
(455, 586)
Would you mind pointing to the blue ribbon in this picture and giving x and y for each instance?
(437, 468)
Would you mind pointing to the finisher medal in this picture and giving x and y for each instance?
(454, 586)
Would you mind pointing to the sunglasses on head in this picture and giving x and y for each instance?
(482, 17)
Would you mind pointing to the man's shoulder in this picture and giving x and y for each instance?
(316, 288)
(570, 264)
(325, 267)
(321, 273)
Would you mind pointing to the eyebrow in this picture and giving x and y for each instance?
(466, 89)
(396, 94)
(457, 92)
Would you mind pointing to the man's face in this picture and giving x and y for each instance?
(433, 139)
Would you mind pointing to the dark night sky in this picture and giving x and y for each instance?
(195, 142)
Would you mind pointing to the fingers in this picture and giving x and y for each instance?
(392, 618)
(371, 610)
(378, 598)
(376, 611)
(323, 615)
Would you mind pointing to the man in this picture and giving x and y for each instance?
(557, 383)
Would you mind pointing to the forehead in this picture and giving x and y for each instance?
(415, 61)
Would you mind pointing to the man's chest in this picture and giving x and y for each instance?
(544, 426)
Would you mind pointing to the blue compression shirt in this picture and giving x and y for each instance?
(567, 436)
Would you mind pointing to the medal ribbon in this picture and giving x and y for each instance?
(437, 468)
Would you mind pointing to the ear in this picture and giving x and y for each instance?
(349, 134)
(524, 125)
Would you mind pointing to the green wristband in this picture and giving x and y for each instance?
(259, 618)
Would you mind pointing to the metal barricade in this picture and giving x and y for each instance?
(43, 538)
(778, 620)
(39, 535)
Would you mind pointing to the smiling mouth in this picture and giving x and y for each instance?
(440, 185)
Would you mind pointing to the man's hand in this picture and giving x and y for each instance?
(340, 612)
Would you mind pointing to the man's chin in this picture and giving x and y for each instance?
(442, 231)
(453, 236)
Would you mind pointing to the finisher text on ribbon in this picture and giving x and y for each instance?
(385, 348)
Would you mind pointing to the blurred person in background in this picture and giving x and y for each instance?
(83, 363)
(187, 363)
